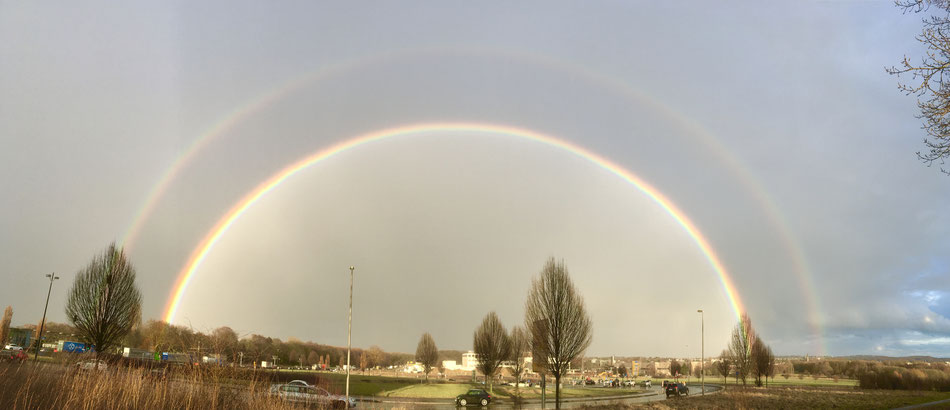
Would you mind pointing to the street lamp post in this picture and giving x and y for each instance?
(39, 336)
(702, 350)
(349, 331)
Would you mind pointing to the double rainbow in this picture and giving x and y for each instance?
(221, 227)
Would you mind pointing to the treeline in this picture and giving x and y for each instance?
(159, 336)
(916, 376)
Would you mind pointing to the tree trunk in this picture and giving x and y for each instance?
(557, 391)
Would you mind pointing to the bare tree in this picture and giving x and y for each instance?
(224, 341)
(427, 353)
(376, 356)
(492, 346)
(770, 369)
(558, 321)
(723, 366)
(760, 360)
(520, 346)
(104, 302)
(5, 325)
(675, 368)
(933, 88)
(539, 360)
(740, 347)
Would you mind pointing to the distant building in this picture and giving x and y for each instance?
(414, 367)
(469, 360)
(20, 337)
(450, 365)
(634, 370)
(661, 368)
(696, 364)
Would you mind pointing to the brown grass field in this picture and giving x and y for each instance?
(32, 385)
(794, 398)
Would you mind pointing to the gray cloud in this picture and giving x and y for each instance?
(717, 108)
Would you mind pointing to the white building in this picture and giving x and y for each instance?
(469, 360)
(414, 367)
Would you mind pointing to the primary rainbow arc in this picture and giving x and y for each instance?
(221, 227)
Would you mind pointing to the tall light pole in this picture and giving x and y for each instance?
(349, 331)
(702, 350)
(39, 336)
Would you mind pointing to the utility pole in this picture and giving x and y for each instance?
(349, 332)
(39, 336)
(702, 350)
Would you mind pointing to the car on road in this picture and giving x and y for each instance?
(14, 355)
(676, 389)
(92, 365)
(12, 347)
(647, 383)
(473, 396)
(300, 392)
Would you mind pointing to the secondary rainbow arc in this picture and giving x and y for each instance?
(207, 244)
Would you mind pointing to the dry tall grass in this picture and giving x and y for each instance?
(31, 385)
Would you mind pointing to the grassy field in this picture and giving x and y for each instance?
(365, 385)
(792, 398)
(448, 391)
(792, 381)
(360, 385)
(430, 391)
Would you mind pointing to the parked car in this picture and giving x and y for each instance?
(647, 383)
(473, 396)
(676, 389)
(304, 393)
(92, 365)
(12, 347)
(14, 355)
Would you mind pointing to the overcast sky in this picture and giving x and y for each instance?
(775, 130)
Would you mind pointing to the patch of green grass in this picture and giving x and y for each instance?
(433, 391)
(360, 385)
(792, 398)
(791, 381)
(567, 392)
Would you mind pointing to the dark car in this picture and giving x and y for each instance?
(676, 389)
(473, 396)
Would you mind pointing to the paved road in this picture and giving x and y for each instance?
(655, 394)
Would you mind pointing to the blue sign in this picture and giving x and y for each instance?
(164, 355)
(74, 347)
